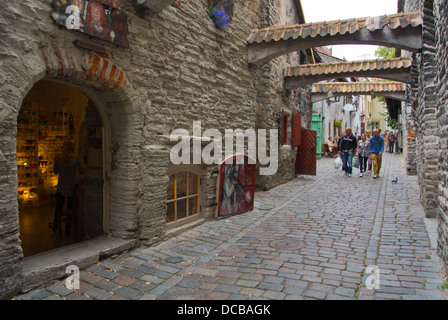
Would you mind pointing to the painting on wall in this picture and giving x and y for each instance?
(98, 18)
(236, 186)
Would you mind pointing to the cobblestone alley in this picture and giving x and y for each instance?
(311, 238)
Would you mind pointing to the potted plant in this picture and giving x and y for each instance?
(338, 124)
(217, 13)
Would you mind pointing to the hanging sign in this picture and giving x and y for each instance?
(98, 18)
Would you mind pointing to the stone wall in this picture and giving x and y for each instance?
(271, 96)
(410, 105)
(441, 13)
(424, 106)
(409, 136)
(179, 68)
(427, 115)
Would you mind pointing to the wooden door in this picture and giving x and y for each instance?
(316, 125)
(306, 160)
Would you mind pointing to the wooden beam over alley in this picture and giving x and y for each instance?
(402, 31)
(395, 69)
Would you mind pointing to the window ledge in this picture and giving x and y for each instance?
(174, 229)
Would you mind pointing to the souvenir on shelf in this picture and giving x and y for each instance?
(40, 136)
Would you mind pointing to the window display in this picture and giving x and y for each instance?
(40, 135)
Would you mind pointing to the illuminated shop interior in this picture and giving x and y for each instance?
(50, 114)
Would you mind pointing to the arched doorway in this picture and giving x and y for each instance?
(52, 113)
(120, 106)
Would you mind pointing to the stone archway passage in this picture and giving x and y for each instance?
(326, 90)
(403, 31)
(396, 69)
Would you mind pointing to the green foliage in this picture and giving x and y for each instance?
(391, 123)
(380, 99)
(338, 124)
(444, 287)
(385, 53)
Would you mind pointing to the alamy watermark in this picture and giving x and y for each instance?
(186, 153)
(73, 21)
(373, 280)
(73, 282)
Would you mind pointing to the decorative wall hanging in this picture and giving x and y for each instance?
(236, 186)
(98, 18)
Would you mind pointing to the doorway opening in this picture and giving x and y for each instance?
(51, 114)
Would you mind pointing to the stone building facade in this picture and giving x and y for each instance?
(425, 115)
(179, 68)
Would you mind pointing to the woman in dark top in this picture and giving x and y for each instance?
(66, 164)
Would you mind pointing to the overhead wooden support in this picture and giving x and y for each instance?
(326, 90)
(402, 31)
(301, 17)
(396, 69)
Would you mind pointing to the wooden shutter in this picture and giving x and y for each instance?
(284, 128)
(296, 130)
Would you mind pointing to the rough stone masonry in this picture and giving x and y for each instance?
(425, 115)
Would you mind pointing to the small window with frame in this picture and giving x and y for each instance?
(182, 196)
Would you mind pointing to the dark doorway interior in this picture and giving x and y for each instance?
(52, 113)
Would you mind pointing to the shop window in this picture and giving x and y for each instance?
(182, 196)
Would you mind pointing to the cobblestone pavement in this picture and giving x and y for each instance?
(311, 238)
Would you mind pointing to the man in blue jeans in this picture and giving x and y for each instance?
(347, 148)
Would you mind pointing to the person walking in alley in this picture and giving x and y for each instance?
(363, 154)
(347, 149)
(386, 141)
(391, 139)
(369, 162)
(376, 149)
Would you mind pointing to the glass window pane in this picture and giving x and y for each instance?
(181, 209)
(181, 186)
(170, 212)
(192, 183)
(193, 207)
(170, 189)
